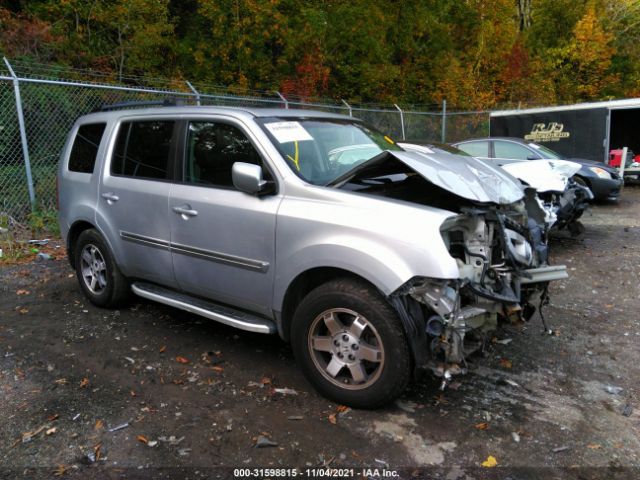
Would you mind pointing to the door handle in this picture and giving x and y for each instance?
(186, 211)
(110, 197)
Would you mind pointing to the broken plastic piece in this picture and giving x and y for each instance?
(119, 427)
(264, 442)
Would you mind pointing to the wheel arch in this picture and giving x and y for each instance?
(304, 283)
(72, 238)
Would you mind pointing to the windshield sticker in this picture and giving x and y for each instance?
(389, 140)
(286, 132)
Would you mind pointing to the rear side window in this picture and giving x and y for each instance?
(142, 149)
(475, 149)
(85, 147)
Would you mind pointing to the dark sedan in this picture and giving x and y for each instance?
(603, 180)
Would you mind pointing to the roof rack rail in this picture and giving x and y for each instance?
(167, 102)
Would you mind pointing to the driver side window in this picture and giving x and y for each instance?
(212, 149)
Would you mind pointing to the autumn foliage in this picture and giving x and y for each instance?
(474, 53)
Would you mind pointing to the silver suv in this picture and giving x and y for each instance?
(375, 263)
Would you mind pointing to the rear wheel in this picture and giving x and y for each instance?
(351, 345)
(100, 279)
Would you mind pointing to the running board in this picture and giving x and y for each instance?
(212, 311)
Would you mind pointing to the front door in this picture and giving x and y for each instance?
(222, 240)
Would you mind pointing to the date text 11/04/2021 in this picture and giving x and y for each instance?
(346, 473)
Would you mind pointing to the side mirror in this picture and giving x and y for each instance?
(247, 177)
(532, 157)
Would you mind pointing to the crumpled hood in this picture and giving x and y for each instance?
(544, 175)
(464, 176)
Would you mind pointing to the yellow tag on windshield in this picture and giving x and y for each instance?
(296, 159)
(389, 140)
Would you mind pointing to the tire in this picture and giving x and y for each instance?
(581, 181)
(100, 279)
(351, 345)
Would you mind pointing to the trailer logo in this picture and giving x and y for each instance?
(543, 133)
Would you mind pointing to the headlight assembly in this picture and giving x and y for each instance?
(600, 172)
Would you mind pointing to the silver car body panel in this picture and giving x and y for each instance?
(544, 175)
(467, 177)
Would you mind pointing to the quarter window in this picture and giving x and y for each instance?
(512, 150)
(212, 149)
(142, 149)
(475, 149)
(85, 147)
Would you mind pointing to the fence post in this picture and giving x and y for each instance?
(444, 121)
(286, 102)
(196, 92)
(623, 160)
(401, 120)
(348, 106)
(23, 134)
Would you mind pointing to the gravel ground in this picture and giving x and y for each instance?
(197, 396)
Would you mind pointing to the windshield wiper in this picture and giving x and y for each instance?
(351, 173)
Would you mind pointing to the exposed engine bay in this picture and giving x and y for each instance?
(501, 251)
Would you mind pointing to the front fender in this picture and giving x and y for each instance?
(382, 266)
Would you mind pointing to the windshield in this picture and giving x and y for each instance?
(546, 152)
(321, 150)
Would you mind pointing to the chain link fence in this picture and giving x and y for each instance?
(50, 105)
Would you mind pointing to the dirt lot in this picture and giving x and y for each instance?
(197, 395)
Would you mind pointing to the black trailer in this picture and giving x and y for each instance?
(585, 130)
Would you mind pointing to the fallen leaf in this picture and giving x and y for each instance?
(23, 311)
(217, 369)
(23, 292)
(133, 394)
(490, 462)
(163, 348)
(51, 431)
(333, 419)
(265, 381)
(505, 363)
(96, 451)
(99, 424)
(593, 446)
(53, 417)
(60, 471)
(342, 408)
(482, 426)
(84, 382)
(143, 439)
(182, 360)
(61, 381)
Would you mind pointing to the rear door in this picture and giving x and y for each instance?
(134, 197)
(223, 240)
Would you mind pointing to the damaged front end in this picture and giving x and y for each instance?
(502, 258)
(497, 235)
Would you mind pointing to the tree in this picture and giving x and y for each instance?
(583, 64)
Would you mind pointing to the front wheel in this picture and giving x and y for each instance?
(351, 344)
(100, 279)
